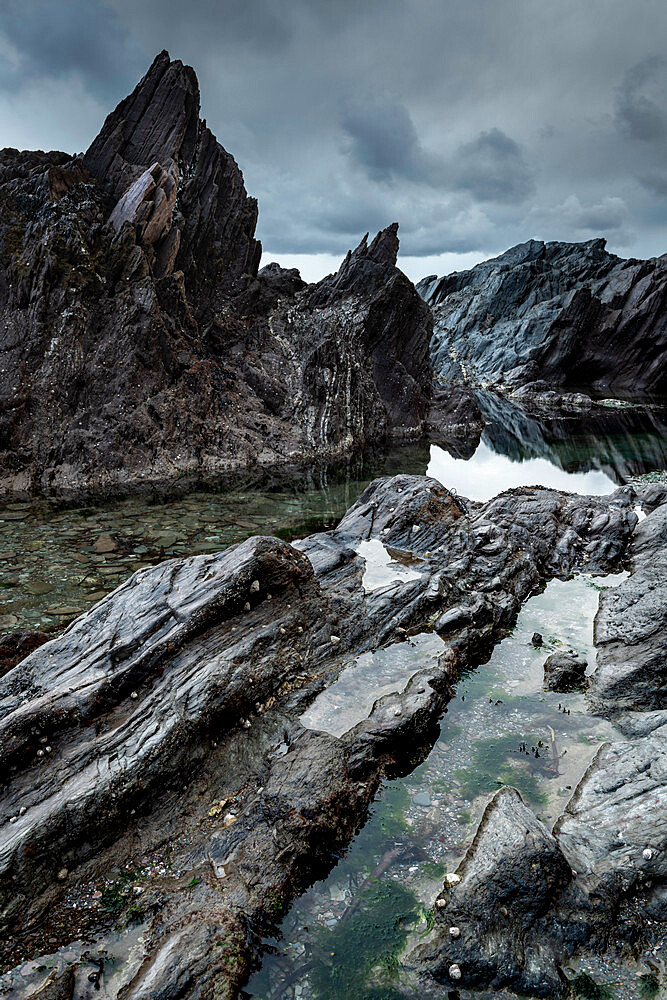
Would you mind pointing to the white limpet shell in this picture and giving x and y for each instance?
(440, 903)
(454, 972)
(451, 878)
(647, 853)
(454, 932)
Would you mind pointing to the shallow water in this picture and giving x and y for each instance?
(501, 728)
(55, 562)
(369, 677)
(346, 933)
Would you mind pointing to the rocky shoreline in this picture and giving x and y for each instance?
(203, 744)
(525, 900)
(152, 690)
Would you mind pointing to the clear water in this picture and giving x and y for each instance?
(344, 936)
(56, 562)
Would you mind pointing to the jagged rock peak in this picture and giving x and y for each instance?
(159, 121)
(362, 268)
(383, 249)
(167, 175)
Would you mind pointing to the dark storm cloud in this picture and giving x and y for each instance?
(492, 168)
(641, 115)
(641, 110)
(55, 39)
(475, 125)
(383, 140)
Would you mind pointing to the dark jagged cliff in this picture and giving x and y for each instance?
(570, 314)
(140, 343)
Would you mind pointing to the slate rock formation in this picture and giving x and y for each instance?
(631, 628)
(140, 344)
(569, 314)
(527, 901)
(168, 723)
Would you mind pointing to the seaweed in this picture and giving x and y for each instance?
(358, 952)
(490, 768)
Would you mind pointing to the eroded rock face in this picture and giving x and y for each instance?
(631, 628)
(511, 875)
(158, 125)
(169, 720)
(140, 344)
(569, 314)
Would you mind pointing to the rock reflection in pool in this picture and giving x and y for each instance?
(487, 473)
(350, 699)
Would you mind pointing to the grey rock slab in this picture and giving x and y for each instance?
(618, 811)
(567, 314)
(631, 628)
(510, 877)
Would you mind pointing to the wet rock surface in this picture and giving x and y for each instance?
(569, 314)
(608, 846)
(630, 628)
(162, 728)
(140, 343)
(564, 672)
(491, 923)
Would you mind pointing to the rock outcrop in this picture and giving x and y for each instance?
(159, 749)
(511, 876)
(525, 901)
(139, 341)
(570, 314)
(564, 672)
(631, 628)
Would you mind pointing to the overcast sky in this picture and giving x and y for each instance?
(475, 124)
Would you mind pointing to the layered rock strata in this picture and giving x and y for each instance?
(526, 900)
(140, 343)
(162, 737)
(570, 314)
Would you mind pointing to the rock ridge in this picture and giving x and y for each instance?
(570, 314)
(140, 344)
(171, 717)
